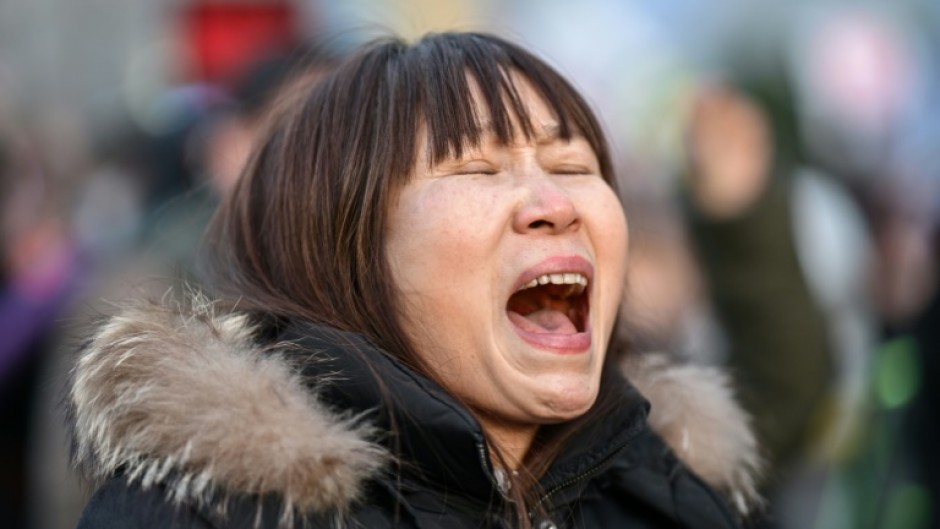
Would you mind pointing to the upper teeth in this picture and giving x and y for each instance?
(557, 279)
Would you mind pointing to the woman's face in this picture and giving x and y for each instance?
(510, 265)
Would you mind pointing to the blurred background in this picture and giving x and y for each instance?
(779, 162)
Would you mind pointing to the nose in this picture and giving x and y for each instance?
(546, 207)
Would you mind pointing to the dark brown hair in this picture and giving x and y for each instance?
(303, 233)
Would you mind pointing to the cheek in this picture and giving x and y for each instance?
(609, 227)
(437, 245)
(415, 224)
(609, 233)
(437, 235)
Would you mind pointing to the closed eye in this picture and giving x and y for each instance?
(570, 170)
(475, 168)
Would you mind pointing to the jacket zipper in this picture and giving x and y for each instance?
(587, 473)
(485, 464)
(580, 477)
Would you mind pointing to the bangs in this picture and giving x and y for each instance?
(375, 105)
(448, 66)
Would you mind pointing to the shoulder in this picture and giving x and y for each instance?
(696, 421)
(649, 474)
(118, 504)
(182, 400)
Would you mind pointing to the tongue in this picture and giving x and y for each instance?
(544, 321)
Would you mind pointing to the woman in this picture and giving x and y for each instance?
(421, 271)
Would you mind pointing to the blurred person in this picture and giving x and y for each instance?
(419, 277)
(228, 137)
(41, 270)
(907, 266)
(786, 255)
(889, 476)
(891, 480)
(778, 345)
(215, 147)
(105, 222)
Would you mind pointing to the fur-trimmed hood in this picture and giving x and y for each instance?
(186, 398)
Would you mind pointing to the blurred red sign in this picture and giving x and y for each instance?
(225, 38)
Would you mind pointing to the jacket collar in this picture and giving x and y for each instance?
(442, 441)
(185, 397)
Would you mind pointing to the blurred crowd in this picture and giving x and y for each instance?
(779, 162)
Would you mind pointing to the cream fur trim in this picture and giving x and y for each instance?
(184, 397)
(694, 410)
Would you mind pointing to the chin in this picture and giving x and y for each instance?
(571, 403)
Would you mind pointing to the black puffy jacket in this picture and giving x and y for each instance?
(190, 424)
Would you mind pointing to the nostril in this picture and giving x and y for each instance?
(546, 210)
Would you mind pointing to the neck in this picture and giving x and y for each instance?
(510, 440)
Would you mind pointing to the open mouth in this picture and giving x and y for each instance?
(555, 304)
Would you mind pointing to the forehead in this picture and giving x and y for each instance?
(520, 94)
(541, 119)
(526, 117)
